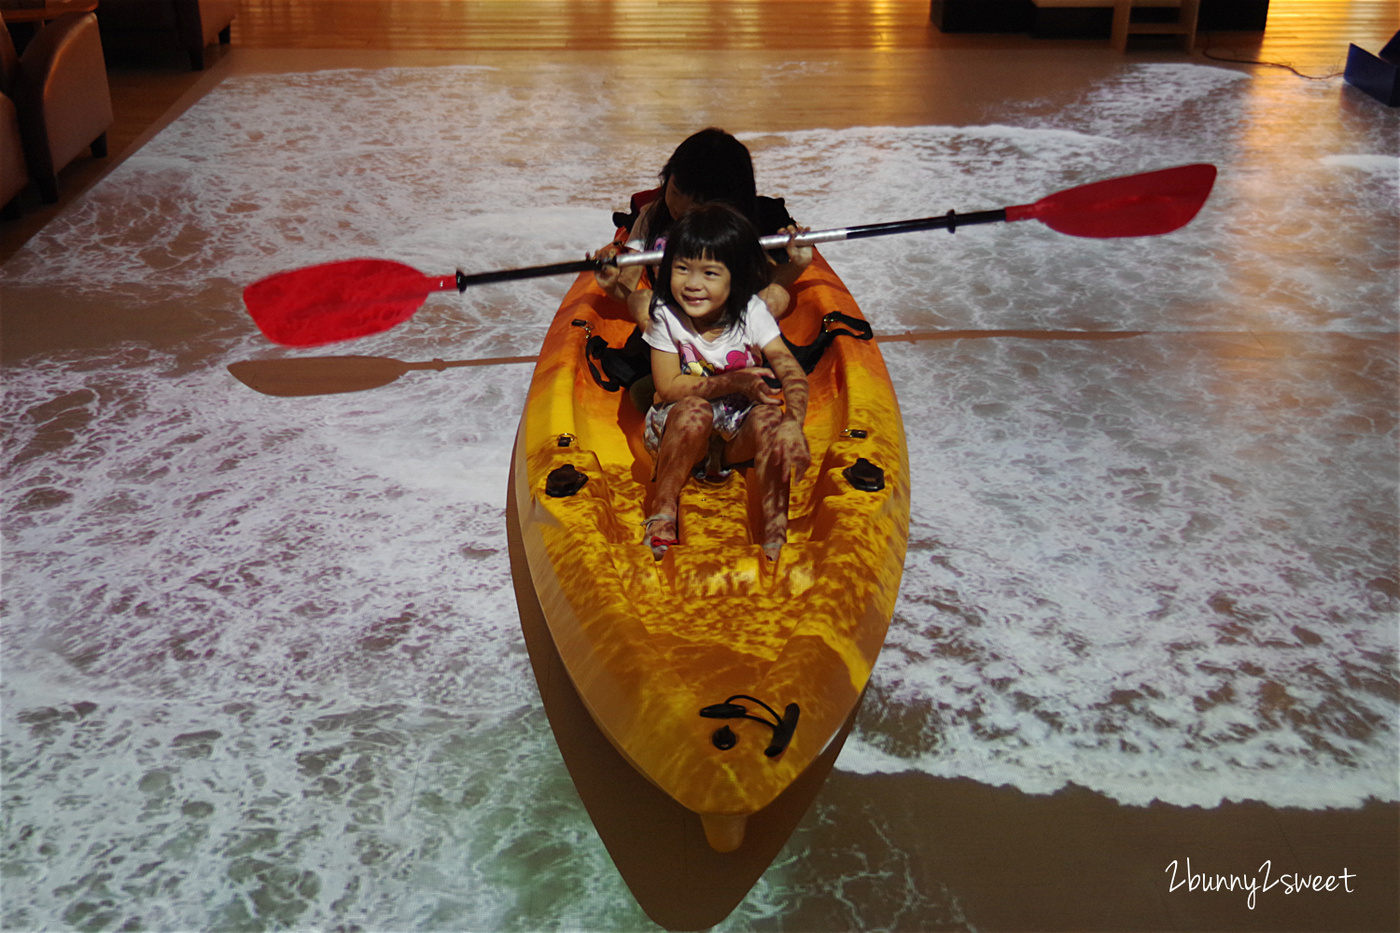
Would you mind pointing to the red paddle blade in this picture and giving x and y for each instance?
(1136, 205)
(338, 300)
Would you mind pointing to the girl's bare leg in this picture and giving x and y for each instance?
(757, 436)
(684, 442)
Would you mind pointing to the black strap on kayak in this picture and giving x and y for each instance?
(809, 356)
(617, 367)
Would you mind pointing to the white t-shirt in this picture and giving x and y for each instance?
(737, 347)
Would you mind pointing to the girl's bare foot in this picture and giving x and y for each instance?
(774, 546)
(659, 532)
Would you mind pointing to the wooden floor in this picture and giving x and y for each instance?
(1297, 28)
(1310, 35)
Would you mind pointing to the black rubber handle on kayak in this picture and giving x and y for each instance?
(783, 726)
(783, 734)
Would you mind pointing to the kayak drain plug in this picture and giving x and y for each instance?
(564, 481)
(783, 726)
(865, 476)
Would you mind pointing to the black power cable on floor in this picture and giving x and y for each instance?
(1251, 61)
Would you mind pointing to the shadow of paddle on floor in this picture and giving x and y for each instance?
(330, 375)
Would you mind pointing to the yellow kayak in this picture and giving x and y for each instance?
(777, 655)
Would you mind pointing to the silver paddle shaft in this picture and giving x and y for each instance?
(811, 238)
(949, 221)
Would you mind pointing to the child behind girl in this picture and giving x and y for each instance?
(707, 167)
(709, 333)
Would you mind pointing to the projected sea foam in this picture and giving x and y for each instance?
(264, 651)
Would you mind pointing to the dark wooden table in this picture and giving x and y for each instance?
(43, 13)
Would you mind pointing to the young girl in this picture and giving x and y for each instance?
(709, 332)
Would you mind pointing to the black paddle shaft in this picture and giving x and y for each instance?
(949, 221)
(532, 272)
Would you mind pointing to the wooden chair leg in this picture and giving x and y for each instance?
(1122, 16)
(48, 188)
(1190, 14)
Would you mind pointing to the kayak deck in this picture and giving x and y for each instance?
(650, 643)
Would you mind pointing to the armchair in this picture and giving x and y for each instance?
(14, 176)
(59, 92)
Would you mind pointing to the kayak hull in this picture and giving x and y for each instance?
(657, 846)
(648, 644)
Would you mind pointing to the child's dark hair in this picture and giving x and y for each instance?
(708, 166)
(720, 233)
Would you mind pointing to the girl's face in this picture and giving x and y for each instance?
(677, 201)
(701, 288)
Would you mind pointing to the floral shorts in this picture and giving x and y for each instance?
(729, 412)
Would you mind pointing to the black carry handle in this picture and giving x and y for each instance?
(783, 726)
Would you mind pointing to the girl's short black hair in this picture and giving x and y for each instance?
(720, 233)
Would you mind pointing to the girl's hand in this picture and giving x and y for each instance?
(778, 300)
(800, 256)
(608, 274)
(790, 448)
(753, 383)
